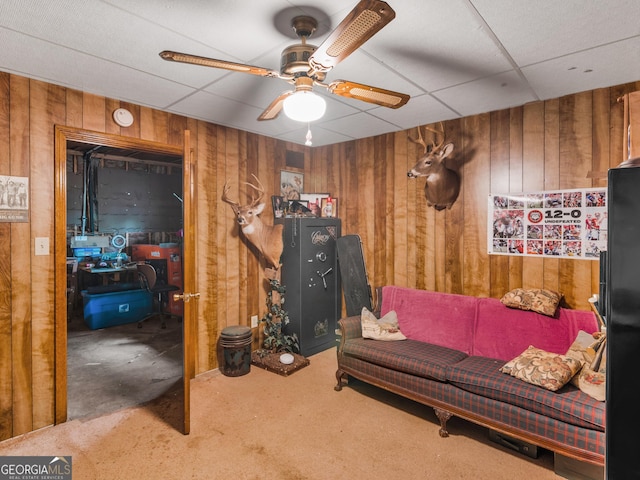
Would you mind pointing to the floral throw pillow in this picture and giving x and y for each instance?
(537, 300)
(593, 383)
(593, 353)
(545, 369)
(385, 328)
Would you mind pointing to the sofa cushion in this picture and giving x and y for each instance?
(410, 356)
(385, 328)
(504, 333)
(538, 300)
(539, 367)
(592, 379)
(444, 319)
(482, 376)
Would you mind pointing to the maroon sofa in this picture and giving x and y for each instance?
(451, 361)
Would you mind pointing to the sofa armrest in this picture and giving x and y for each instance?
(350, 327)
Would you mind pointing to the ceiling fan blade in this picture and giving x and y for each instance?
(212, 62)
(362, 23)
(274, 109)
(366, 93)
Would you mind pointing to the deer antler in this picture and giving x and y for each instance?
(259, 189)
(254, 201)
(420, 140)
(225, 197)
(437, 132)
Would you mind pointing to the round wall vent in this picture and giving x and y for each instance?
(123, 117)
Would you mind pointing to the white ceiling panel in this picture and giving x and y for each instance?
(595, 68)
(419, 111)
(454, 58)
(493, 93)
(536, 31)
(361, 125)
(239, 30)
(89, 74)
(216, 109)
(438, 44)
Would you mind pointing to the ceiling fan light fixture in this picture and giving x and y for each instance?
(304, 106)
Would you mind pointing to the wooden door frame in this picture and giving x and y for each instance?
(189, 277)
(62, 135)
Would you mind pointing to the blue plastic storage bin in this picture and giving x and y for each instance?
(103, 310)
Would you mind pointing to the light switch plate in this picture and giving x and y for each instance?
(42, 246)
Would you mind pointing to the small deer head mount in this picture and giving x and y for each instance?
(266, 238)
(443, 184)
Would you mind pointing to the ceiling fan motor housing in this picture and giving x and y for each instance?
(304, 26)
(295, 59)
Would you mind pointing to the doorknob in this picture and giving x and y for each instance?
(185, 297)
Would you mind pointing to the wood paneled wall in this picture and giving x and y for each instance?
(543, 145)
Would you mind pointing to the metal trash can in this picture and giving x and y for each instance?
(236, 345)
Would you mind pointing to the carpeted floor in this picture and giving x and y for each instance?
(267, 426)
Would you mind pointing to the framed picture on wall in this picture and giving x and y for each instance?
(14, 199)
(291, 184)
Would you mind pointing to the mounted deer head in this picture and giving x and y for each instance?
(443, 184)
(266, 238)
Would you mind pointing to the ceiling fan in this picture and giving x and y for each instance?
(304, 65)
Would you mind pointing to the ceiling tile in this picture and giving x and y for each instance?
(420, 110)
(493, 93)
(537, 31)
(596, 68)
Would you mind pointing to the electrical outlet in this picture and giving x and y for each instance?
(254, 321)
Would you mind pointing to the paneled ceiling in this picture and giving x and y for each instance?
(455, 58)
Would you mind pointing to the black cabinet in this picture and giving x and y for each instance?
(622, 278)
(312, 280)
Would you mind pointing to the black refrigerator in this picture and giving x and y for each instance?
(622, 460)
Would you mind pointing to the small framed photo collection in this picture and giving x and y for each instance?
(292, 200)
(321, 204)
(314, 202)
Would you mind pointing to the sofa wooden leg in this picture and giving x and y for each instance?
(340, 377)
(443, 416)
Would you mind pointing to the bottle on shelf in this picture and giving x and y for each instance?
(328, 209)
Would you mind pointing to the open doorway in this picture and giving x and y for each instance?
(64, 135)
(120, 202)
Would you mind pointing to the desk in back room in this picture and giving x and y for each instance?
(113, 274)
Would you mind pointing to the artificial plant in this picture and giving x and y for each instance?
(276, 317)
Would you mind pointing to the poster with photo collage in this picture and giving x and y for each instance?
(558, 224)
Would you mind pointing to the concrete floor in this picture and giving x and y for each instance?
(121, 366)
